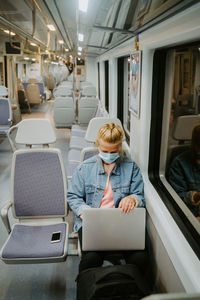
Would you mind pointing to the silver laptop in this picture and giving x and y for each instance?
(110, 229)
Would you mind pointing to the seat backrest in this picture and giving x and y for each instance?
(35, 132)
(95, 124)
(89, 91)
(86, 109)
(33, 93)
(62, 91)
(182, 132)
(50, 81)
(64, 102)
(183, 127)
(32, 80)
(3, 91)
(5, 112)
(88, 152)
(38, 183)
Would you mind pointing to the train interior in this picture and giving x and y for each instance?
(66, 64)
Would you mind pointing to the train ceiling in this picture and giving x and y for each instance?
(105, 24)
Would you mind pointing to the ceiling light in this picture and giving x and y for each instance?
(80, 37)
(51, 27)
(26, 58)
(33, 59)
(83, 5)
(9, 32)
(33, 44)
(79, 48)
(61, 42)
(67, 50)
(46, 51)
(79, 53)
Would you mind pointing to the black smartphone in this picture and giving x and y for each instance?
(56, 237)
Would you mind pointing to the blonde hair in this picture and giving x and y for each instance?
(110, 133)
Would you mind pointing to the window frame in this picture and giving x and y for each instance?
(155, 150)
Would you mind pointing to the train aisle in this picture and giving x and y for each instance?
(35, 281)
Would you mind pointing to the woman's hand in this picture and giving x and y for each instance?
(127, 204)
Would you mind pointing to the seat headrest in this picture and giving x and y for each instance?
(35, 132)
(183, 127)
(95, 124)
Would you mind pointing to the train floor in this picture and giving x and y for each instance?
(35, 281)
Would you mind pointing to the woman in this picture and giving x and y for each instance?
(184, 174)
(106, 180)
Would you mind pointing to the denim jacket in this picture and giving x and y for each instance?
(184, 177)
(88, 183)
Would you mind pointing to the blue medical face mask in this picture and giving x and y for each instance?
(109, 158)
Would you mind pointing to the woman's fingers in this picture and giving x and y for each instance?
(127, 204)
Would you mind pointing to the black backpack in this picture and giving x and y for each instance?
(111, 283)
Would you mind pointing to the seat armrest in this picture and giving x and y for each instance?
(9, 138)
(4, 216)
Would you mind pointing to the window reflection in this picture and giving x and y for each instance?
(183, 158)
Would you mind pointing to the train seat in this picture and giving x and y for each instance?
(95, 124)
(32, 80)
(64, 111)
(77, 144)
(38, 201)
(33, 132)
(33, 93)
(84, 154)
(87, 107)
(5, 118)
(50, 82)
(88, 91)
(62, 91)
(67, 84)
(182, 132)
(3, 91)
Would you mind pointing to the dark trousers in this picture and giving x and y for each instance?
(93, 259)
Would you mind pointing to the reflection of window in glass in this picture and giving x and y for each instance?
(182, 102)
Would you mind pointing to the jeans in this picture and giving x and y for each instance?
(93, 259)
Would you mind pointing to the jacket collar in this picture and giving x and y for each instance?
(116, 170)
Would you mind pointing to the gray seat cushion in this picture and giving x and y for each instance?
(28, 241)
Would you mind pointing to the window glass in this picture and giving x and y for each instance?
(181, 115)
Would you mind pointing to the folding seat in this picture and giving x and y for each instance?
(88, 91)
(33, 93)
(64, 111)
(5, 118)
(38, 201)
(32, 132)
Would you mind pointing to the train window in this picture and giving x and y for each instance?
(123, 112)
(174, 164)
(107, 85)
(98, 68)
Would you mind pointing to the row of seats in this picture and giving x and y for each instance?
(66, 109)
(38, 198)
